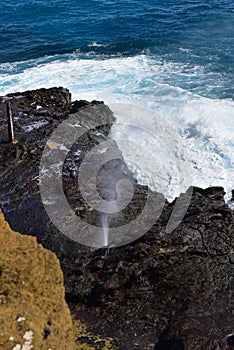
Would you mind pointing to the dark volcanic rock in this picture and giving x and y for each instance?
(36, 114)
(162, 291)
(180, 282)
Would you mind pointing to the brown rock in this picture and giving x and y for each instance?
(33, 312)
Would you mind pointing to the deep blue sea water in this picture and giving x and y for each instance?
(172, 56)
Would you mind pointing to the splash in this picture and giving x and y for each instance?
(105, 227)
(205, 124)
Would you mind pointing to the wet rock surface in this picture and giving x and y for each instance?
(162, 291)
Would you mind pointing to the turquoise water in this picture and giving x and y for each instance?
(173, 56)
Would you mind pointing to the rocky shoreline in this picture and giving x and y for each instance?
(162, 291)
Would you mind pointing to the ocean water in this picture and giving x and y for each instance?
(174, 58)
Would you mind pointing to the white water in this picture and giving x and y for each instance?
(105, 227)
(205, 125)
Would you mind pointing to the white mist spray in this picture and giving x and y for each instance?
(105, 227)
(111, 179)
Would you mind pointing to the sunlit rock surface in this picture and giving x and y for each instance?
(33, 311)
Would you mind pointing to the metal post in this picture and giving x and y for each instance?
(10, 123)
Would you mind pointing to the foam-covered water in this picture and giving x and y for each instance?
(206, 125)
(175, 58)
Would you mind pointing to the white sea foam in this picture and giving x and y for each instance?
(205, 125)
(95, 44)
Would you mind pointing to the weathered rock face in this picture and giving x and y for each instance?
(36, 114)
(175, 289)
(163, 291)
(33, 311)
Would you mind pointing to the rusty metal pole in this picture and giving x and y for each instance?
(10, 123)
